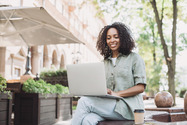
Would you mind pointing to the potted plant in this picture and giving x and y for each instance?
(5, 103)
(38, 104)
(55, 76)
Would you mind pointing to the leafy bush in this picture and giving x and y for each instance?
(40, 86)
(3, 86)
(52, 73)
(182, 92)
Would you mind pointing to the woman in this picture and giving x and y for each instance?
(125, 75)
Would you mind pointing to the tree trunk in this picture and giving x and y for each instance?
(171, 74)
(154, 45)
(171, 62)
(154, 49)
(171, 81)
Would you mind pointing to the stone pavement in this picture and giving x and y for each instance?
(67, 122)
(148, 104)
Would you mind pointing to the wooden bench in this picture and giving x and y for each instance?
(116, 123)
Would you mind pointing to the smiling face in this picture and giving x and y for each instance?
(113, 41)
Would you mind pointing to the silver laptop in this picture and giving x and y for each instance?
(87, 79)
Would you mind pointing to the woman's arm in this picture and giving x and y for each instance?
(128, 92)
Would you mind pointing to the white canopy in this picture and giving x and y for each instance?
(31, 27)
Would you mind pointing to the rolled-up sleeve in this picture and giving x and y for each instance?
(139, 73)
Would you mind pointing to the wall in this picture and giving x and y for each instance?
(80, 20)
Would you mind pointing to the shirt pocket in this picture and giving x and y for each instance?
(123, 76)
(123, 71)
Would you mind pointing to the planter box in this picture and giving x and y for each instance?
(57, 79)
(64, 107)
(35, 109)
(5, 109)
(14, 87)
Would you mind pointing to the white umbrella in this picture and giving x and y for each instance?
(20, 26)
(31, 26)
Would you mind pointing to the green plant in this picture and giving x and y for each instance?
(74, 107)
(182, 92)
(61, 89)
(3, 86)
(52, 73)
(40, 86)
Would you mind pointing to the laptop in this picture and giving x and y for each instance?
(88, 79)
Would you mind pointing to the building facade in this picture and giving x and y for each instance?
(77, 16)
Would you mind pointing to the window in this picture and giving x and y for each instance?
(17, 72)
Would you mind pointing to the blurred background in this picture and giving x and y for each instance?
(163, 47)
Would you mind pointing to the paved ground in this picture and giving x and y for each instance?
(148, 104)
(68, 122)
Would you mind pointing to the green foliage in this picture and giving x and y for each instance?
(52, 73)
(3, 86)
(74, 107)
(182, 92)
(40, 86)
(183, 37)
(99, 13)
(153, 77)
(182, 10)
(61, 89)
(140, 14)
(149, 49)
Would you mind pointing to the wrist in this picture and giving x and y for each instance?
(118, 94)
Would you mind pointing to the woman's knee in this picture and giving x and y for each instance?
(83, 101)
(84, 104)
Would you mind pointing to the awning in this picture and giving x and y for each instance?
(31, 26)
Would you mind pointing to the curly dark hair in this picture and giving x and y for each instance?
(127, 42)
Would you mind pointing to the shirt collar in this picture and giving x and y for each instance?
(110, 57)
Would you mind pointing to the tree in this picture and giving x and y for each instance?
(148, 45)
(148, 29)
(137, 15)
(170, 60)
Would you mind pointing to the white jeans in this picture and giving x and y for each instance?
(91, 110)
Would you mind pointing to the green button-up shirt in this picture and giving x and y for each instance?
(128, 71)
